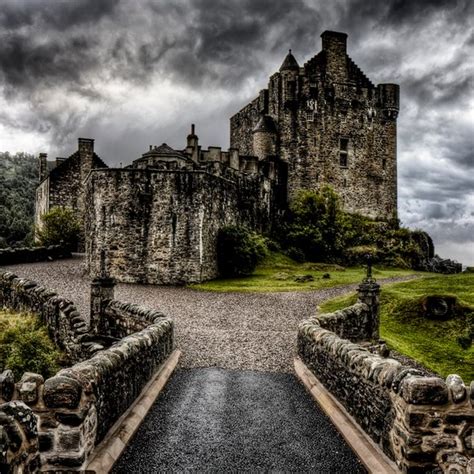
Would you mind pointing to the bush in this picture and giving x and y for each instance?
(60, 226)
(316, 229)
(239, 251)
(25, 346)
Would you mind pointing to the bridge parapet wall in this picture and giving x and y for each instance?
(422, 423)
(74, 409)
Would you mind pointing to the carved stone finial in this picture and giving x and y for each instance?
(369, 278)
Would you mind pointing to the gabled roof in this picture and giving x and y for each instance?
(164, 151)
(290, 63)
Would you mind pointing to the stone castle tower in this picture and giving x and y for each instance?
(157, 219)
(330, 125)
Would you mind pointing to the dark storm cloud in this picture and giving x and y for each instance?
(59, 14)
(62, 63)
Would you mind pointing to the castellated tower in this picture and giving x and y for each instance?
(331, 125)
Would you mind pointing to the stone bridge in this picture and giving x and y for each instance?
(234, 402)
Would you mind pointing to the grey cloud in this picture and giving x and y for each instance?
(51, 48)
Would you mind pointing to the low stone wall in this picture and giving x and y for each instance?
(75, 408)
(65, 324)
(18, 439)
(423, 423)
(121, 319)
(11, 256)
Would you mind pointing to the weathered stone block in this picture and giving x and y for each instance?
(28, 392)
(45, 441)
(62, 392)
(70, 440)
(424, 390)
(456, 386)
(7, 385)
(71, 419)
(66, 461)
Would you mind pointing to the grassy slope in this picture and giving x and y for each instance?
(265, 276)
(433, 343)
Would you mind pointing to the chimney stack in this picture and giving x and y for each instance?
(335, 48)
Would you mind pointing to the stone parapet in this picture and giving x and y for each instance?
(65, 324)
(74, 409)
(424, 424)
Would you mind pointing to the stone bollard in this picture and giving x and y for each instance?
(102, 292)
(369, 293)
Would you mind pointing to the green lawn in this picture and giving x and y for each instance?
(277, 273)
(433, 343)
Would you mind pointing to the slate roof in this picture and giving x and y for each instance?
(290, 63)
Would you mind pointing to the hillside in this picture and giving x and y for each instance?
(18, 179)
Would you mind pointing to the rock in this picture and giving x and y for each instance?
(303, 278)
(7, 385)
(456, 386)
(281, 276)
(29, 387)
(326, 276)
(62, 392)
(424, 390)
(440, 265)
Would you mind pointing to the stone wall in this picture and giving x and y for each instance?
(65, 324)
(161, 227)
(423, 423)
(74, 409)
(11, 256)
(18, 439)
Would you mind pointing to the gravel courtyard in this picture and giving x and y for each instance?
(246, 331)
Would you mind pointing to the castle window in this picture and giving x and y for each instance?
(345, 182)
(384, 163)
(343, 151)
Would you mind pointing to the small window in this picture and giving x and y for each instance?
(345, 182)
(384, 163)
(343, 160)
(343, 144)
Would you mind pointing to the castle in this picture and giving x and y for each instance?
(157, 219)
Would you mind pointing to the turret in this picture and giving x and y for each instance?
(389, 100)
(42, 166)
(289, 72)
(192, 147)
(335, 49)
(264, 137)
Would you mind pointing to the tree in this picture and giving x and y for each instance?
(59, 226)
(239, 251)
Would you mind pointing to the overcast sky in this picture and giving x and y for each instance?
(134, 73)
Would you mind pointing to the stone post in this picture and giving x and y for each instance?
(369, 293)
(102, 292)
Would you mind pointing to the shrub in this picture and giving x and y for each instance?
(25, 346)
(59, 226)
(239, 251)
(317, 228)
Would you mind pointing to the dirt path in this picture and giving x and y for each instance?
(248, 331)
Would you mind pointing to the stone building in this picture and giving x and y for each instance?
(62, 181)
(157, 219)
(331, 125)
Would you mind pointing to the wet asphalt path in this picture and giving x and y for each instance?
(217, 420)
